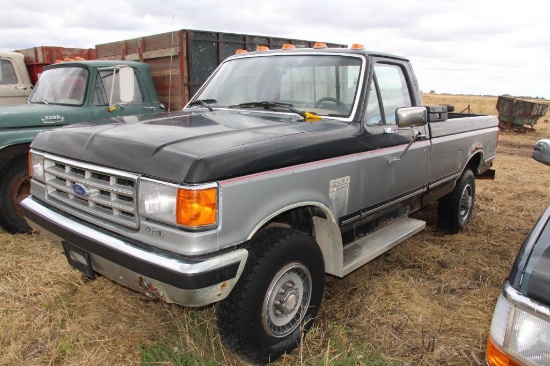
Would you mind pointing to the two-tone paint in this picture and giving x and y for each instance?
(266, 164)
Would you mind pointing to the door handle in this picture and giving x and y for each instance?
(150, 108)
(21, 87)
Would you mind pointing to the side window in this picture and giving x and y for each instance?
(373, 116)
(104, 86)
(100, 98)
(7, 73)
(389, 90)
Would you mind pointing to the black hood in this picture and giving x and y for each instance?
(198, 146)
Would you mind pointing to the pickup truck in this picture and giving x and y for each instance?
(15, 83)
(67, 92)
(285, 166)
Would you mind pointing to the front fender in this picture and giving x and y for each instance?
(282, 210)
(16, 141)
(334, 186)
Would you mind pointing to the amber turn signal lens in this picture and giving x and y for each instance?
(196, 207)
(495, 357)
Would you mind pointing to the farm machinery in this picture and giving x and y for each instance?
(520, 115)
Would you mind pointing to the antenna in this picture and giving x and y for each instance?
(170, 74)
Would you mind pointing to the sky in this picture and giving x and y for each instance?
(480, 47)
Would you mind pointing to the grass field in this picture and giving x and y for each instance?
(428, 301)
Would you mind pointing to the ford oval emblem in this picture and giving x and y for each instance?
(80, 190)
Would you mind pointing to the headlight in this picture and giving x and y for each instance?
(36, 165)
(517, 337)
(530, 338)
(191, 207)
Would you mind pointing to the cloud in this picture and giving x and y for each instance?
(463, 46)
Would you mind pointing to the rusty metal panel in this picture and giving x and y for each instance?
(518, 113)
(203, 57)
(38, 57)
(252, 42)
(181, 61)
(161, 52)
(48, 55)
(230, 43)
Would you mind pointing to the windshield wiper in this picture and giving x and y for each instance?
(264, 104)
(270, 106)
(43, 100)
(203, 103)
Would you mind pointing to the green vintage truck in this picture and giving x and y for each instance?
(67, 92)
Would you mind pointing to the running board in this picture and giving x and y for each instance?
(380, 241)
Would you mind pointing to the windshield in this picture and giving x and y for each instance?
(65, 85)
(322, 84)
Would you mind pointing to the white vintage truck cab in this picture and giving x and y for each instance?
(15, 83)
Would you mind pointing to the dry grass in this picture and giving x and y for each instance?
(429, 301)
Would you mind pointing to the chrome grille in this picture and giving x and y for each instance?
(104, 193)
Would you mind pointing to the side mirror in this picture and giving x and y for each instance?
(541, 152)
(126, 83)
(411, 116)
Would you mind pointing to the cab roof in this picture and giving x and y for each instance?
(353, 50)
(97, 64)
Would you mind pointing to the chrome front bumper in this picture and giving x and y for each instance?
(187, 281)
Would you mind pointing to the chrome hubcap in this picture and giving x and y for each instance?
(287, 300)
(466, 202)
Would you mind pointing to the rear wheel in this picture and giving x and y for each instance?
(455, 209)
(277, 297)
(14, 187)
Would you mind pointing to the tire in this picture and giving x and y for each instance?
(14, 187)
(275, 301)
(455, 209)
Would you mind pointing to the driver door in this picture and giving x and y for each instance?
(387, 183)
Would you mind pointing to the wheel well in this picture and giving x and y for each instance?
(474, 162)
(10, 151)
(299, 218)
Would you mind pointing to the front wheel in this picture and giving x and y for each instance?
(455, 209)
(14, 187)
(277, 297)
